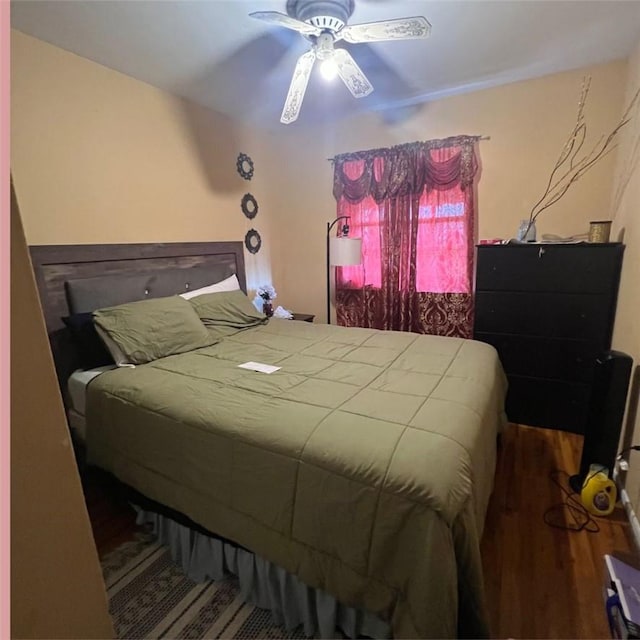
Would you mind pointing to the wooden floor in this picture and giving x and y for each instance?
(113, 520)
(541, 582)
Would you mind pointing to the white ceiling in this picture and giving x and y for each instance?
(214, 54)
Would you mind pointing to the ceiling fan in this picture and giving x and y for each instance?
(323, 23)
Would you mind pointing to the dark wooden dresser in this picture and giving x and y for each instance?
(549, 310)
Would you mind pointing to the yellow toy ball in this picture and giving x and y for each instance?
(599, 492)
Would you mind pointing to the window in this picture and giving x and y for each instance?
(413, 206)
(442, 244)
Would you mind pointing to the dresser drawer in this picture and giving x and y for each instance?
(570, 360)
(551, 315)
(548, 403)
(554, 268)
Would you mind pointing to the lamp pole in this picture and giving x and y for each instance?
(345, 231)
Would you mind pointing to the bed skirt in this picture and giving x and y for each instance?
(263, 584)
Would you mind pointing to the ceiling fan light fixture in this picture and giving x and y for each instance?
(323, 23)
(329, 69)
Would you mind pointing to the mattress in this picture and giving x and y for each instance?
(363, 465)
(77, 388)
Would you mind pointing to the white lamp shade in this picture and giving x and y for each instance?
(344, 252)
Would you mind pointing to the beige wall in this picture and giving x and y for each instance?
(626, 226)
(528, 123)
(99, 157)
(57, 589)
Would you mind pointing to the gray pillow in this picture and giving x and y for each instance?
(150, 329)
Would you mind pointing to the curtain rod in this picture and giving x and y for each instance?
(479, 138)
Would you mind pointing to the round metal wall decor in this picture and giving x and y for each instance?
(252, 241)
(245, 166)
(249, 206)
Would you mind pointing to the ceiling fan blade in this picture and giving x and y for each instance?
(283, 20)
(399, 29)
(297, 87)
(351, 74)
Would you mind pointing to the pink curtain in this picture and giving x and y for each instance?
(413, 207)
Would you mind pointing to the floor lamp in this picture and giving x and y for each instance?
(342, 251)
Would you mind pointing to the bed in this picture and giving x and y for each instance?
(362, 467)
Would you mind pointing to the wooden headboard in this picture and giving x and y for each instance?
(56, 265)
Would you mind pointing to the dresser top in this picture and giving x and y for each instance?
(520, 245)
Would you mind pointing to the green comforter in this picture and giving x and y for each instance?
(364, 465)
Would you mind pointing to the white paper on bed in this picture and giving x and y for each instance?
(258, 366)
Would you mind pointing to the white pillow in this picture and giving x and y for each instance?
(229, 284)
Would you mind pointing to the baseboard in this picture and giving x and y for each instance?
(628, 507)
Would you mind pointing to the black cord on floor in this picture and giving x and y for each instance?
(556, 516)
(582, 519)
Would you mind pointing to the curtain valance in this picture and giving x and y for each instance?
(405, 169)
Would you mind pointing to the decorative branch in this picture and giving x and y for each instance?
(570, 165)
(629, 167)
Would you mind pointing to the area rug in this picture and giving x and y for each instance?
(150, 597)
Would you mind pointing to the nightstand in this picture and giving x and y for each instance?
(303, 317)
